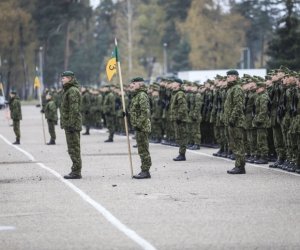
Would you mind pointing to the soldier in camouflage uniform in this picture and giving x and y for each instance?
(15, 114)
(109, 110)
(139, 113)
(235, 119)
(296, 124)
(179, 116)
(156, 115)
(86, 100)
(262, 122)
(71, 121)
(51, 116)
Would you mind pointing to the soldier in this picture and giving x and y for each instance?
(71, 121)
(139, 112)
(109, 110)
(262, 122)
(15, 114)
(85, 109)
(156, 116)
(179, 117)
(296, 124)
(51, 116)
(234, 119)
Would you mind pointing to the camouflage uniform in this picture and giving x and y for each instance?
(234, 118)
(262, 122)
(51, 116)
(140, 119)
(179, 117)
(109, 110)
(87, 117)
(71, 122)
(16, 115)
(156, 119)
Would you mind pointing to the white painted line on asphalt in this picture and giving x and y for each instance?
(7, 228)
(106, 214)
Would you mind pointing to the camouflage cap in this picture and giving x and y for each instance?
(137, 79)
(232, 72)
(178, 80)
(260, 84)
(13, 91)
(67, 73)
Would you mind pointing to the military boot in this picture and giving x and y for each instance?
(292, 167)
(285, 165)
(17, 142)
(73, 176)
(218, 154)
(180, 157)
(195, 147)
(237, 170)
(276, 163)
(250, 159)
(261, 160)
(87, 131)
(297, 169)
(109, 140)
(51, 142)
(142, 175)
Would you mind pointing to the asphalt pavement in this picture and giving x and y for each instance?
(185, 205)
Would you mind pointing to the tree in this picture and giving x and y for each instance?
(284, 48)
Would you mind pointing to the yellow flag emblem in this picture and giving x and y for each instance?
(111, 68)
(1, 86)
(37, 83)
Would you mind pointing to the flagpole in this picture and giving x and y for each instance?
(124, 107)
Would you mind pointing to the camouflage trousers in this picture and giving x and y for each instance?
(262, 142)
(252, 141)
(156, 130)
(73, 143)
(16, 126)
(143, 149)
(194, 132)
(110, 123)
(236, 144)
(181, 136)
(279, 142)
(51, 129)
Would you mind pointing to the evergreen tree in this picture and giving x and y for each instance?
(284, 48)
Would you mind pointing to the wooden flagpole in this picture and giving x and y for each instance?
(123, 104)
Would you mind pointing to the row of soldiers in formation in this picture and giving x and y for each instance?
(271, 109)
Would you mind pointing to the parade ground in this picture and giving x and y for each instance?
(185, 205)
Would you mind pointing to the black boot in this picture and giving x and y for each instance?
(142, 175)
(237, 170)
(218, 154)
(285, 165)
(261, 160)
(276, 163)
(180, 157)
(292, 167)
(109, 140)
(297, 169)
(73, 176)
(17, 142)
(51, 142)
(195, 147)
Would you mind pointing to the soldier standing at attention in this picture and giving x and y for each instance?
(71, 121)
(179, 116)
(85, 109)
(234, 119)
(51, 116)
(139, 112)
(109, 110)
(15, 114)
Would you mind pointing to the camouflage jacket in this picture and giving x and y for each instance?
(15, 108)
(249, 109)
(109, 104)
(157, 111)
(179, 109)
(234, 106)
(262, 116)
(71, 106)
(51, 111)
(139, 111)
(85, 102)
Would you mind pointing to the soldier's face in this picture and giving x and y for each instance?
(231, 78)
(65, 79)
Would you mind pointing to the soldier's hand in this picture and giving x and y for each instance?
(70, 130)
(42, 111)
(125, 114)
